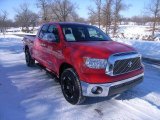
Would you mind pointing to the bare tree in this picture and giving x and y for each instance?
(118, 6)
(96, 12)
(99, 5)
(92, 18)
(107, 14)
(154, 9)
(3, 20)
(44, 6)
(63, 10)
(25, 17)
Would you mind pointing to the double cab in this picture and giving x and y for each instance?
(87, 62)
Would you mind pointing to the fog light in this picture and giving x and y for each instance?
(96, 90)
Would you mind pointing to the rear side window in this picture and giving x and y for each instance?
(68, 32)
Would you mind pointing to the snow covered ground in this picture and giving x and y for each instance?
(136, 36)
(149, 49)
(32, 94)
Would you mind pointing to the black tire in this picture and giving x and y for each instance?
(29, 60)
(71, 87)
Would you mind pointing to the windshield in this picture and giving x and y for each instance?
(77, 33)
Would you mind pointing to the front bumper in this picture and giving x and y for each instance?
(109, 89)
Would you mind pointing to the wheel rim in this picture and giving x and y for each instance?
(68, 87)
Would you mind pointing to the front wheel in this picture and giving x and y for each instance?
(71, 87)
(29, 60)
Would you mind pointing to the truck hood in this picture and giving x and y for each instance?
(101, 48)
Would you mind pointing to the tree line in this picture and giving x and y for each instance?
(106, 14)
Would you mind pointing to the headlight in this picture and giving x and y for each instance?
(96, 63)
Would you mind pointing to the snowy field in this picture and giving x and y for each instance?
(136, 36)
(149, 49)
(32, 94)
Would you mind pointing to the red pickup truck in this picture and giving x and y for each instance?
(85, 59)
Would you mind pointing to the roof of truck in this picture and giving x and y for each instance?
(68, 23)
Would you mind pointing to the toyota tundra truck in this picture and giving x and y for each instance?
(86, 61)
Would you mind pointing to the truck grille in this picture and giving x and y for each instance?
(126, 65)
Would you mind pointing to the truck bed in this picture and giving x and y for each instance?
(30, 37)
(29, 40)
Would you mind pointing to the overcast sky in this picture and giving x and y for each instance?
(136, 6)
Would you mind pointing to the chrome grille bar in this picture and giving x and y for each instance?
(122, 63)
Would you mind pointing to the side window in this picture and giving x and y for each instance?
(43, 31)
(68, 34)
(54, 31)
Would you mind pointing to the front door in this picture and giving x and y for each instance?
(53, 49)
(40, 45)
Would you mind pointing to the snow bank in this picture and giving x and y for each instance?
(149, 49)
(135, 32)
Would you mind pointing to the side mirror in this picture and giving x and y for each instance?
(50, 37)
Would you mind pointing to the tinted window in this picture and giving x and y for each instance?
(49, 30)
(43, 31)
(76, 32)
(54, 30)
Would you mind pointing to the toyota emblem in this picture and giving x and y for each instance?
(130, 64)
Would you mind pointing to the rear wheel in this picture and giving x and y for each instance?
(71, 87)
(29, 60)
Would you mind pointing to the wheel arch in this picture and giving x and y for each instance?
(26, 47)
(64, 66)
(79, 98)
